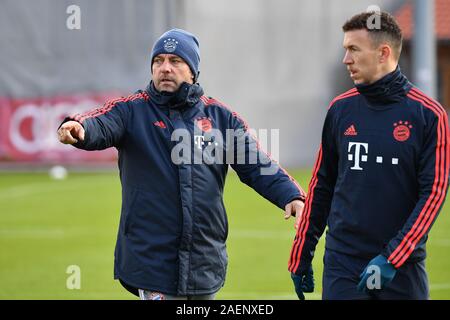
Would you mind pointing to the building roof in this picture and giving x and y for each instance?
(405, 18)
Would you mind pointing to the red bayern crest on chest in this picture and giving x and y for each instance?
(402, 130)
(204, 124)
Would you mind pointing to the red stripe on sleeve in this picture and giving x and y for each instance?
(349, 93)
(434, 201)
(304, 220)
(108, 106)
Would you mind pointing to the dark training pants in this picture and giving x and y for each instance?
(341, 277)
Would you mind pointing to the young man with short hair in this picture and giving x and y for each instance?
(380, 178)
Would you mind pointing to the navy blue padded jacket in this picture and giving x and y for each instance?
(173, 225)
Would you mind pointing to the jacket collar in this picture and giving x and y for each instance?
(186, 96)
(392, 88)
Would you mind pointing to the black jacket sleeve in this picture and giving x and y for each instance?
(258, 170)
(104, 127)
(433, 185)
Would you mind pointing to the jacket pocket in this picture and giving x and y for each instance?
(129, 203)
(223, 259)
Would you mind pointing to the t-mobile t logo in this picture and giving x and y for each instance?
(356, 155)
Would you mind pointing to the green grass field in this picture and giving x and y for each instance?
(48, 225)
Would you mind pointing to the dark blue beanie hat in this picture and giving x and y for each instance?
(182, 44)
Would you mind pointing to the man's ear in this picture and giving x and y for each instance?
(384, 53)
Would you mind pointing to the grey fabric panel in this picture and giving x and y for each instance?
(40, 56)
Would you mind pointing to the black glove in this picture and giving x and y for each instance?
(381, 272)
(303, 282)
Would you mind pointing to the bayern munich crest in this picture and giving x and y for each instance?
(170, 45)
(402, 130)
(156, 296)
(204, 124)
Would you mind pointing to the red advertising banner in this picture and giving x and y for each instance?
(28, 129)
